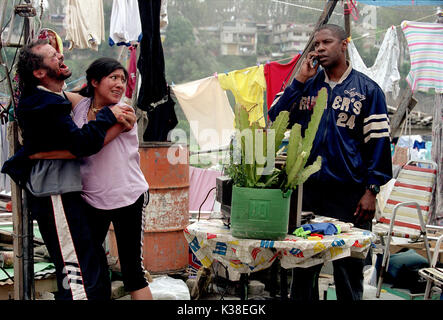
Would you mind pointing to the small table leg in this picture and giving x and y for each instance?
(284, 283)
(244, 280)
(274, 280)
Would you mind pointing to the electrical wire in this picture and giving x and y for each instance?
(13, 60)
(204, 202)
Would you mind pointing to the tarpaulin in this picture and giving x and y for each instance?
(383, 3)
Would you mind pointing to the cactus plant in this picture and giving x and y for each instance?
(250, 166)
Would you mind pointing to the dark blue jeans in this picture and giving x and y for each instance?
(335, 201)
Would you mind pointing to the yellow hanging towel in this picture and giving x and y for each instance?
(248, 86)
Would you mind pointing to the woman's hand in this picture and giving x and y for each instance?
(125, 115)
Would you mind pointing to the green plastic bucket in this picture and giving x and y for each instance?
(260, 213)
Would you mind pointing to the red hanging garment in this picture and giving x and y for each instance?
(132, 72)
(277, 76)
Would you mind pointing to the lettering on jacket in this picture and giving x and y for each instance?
(350, 106)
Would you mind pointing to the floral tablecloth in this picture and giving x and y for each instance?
(211, 240)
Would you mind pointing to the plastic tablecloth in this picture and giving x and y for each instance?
(211, 240)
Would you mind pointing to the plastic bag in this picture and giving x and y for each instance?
(167, 288)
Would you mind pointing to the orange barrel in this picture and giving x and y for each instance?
(165, 248)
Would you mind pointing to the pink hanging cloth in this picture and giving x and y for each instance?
(132, 72)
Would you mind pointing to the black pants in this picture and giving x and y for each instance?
(335, 201)
(81, 266)
(128, 225)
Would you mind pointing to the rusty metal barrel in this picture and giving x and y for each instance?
(166, 168)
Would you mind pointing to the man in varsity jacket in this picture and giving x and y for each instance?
(53, 187)
(353, 140)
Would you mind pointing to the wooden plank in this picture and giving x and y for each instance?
(324, 18)
(407, 102)
(41, 287)
(16, 197)
(6, 236)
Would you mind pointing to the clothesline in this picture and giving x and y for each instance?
(368, 36)
(304, 7)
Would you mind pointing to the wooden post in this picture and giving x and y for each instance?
(347, 24)
(407, 101)
(22, 222)
(16, 199)
(27, 223)
(324, 18)
(17, 221)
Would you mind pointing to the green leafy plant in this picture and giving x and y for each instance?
(252, 160)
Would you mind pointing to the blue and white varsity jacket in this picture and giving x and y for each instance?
(353, 137)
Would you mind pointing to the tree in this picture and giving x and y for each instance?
(179, 32)
(185, 60)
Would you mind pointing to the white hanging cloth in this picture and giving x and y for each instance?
(85, 24)
(164, 15)
(206, 106)
(125, 25)
(385, 70)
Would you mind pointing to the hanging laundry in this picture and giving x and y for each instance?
(419, 145)
(206, 106)
(164, 15)
(53, 38)
(161, 120)
(385, 69)
(425, 42)
(151, 63)
(132, 72)
(277, 76)
(248, 86)
(125, 25)
(200, 182)
(85, 24)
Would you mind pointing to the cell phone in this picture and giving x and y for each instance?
(314, 62)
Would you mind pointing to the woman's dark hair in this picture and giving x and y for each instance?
(99, 69)
(29, 61)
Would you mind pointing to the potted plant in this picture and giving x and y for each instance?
(261, 192)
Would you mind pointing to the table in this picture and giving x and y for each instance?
(211, 240)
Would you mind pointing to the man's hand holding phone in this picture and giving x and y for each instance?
(308, 68)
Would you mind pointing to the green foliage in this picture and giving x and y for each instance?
(246, 168)
(179, 33)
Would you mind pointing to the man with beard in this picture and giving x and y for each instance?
(53, 186)
(353, 140)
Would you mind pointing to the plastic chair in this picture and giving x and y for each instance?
(433, 275)
(406, 212)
